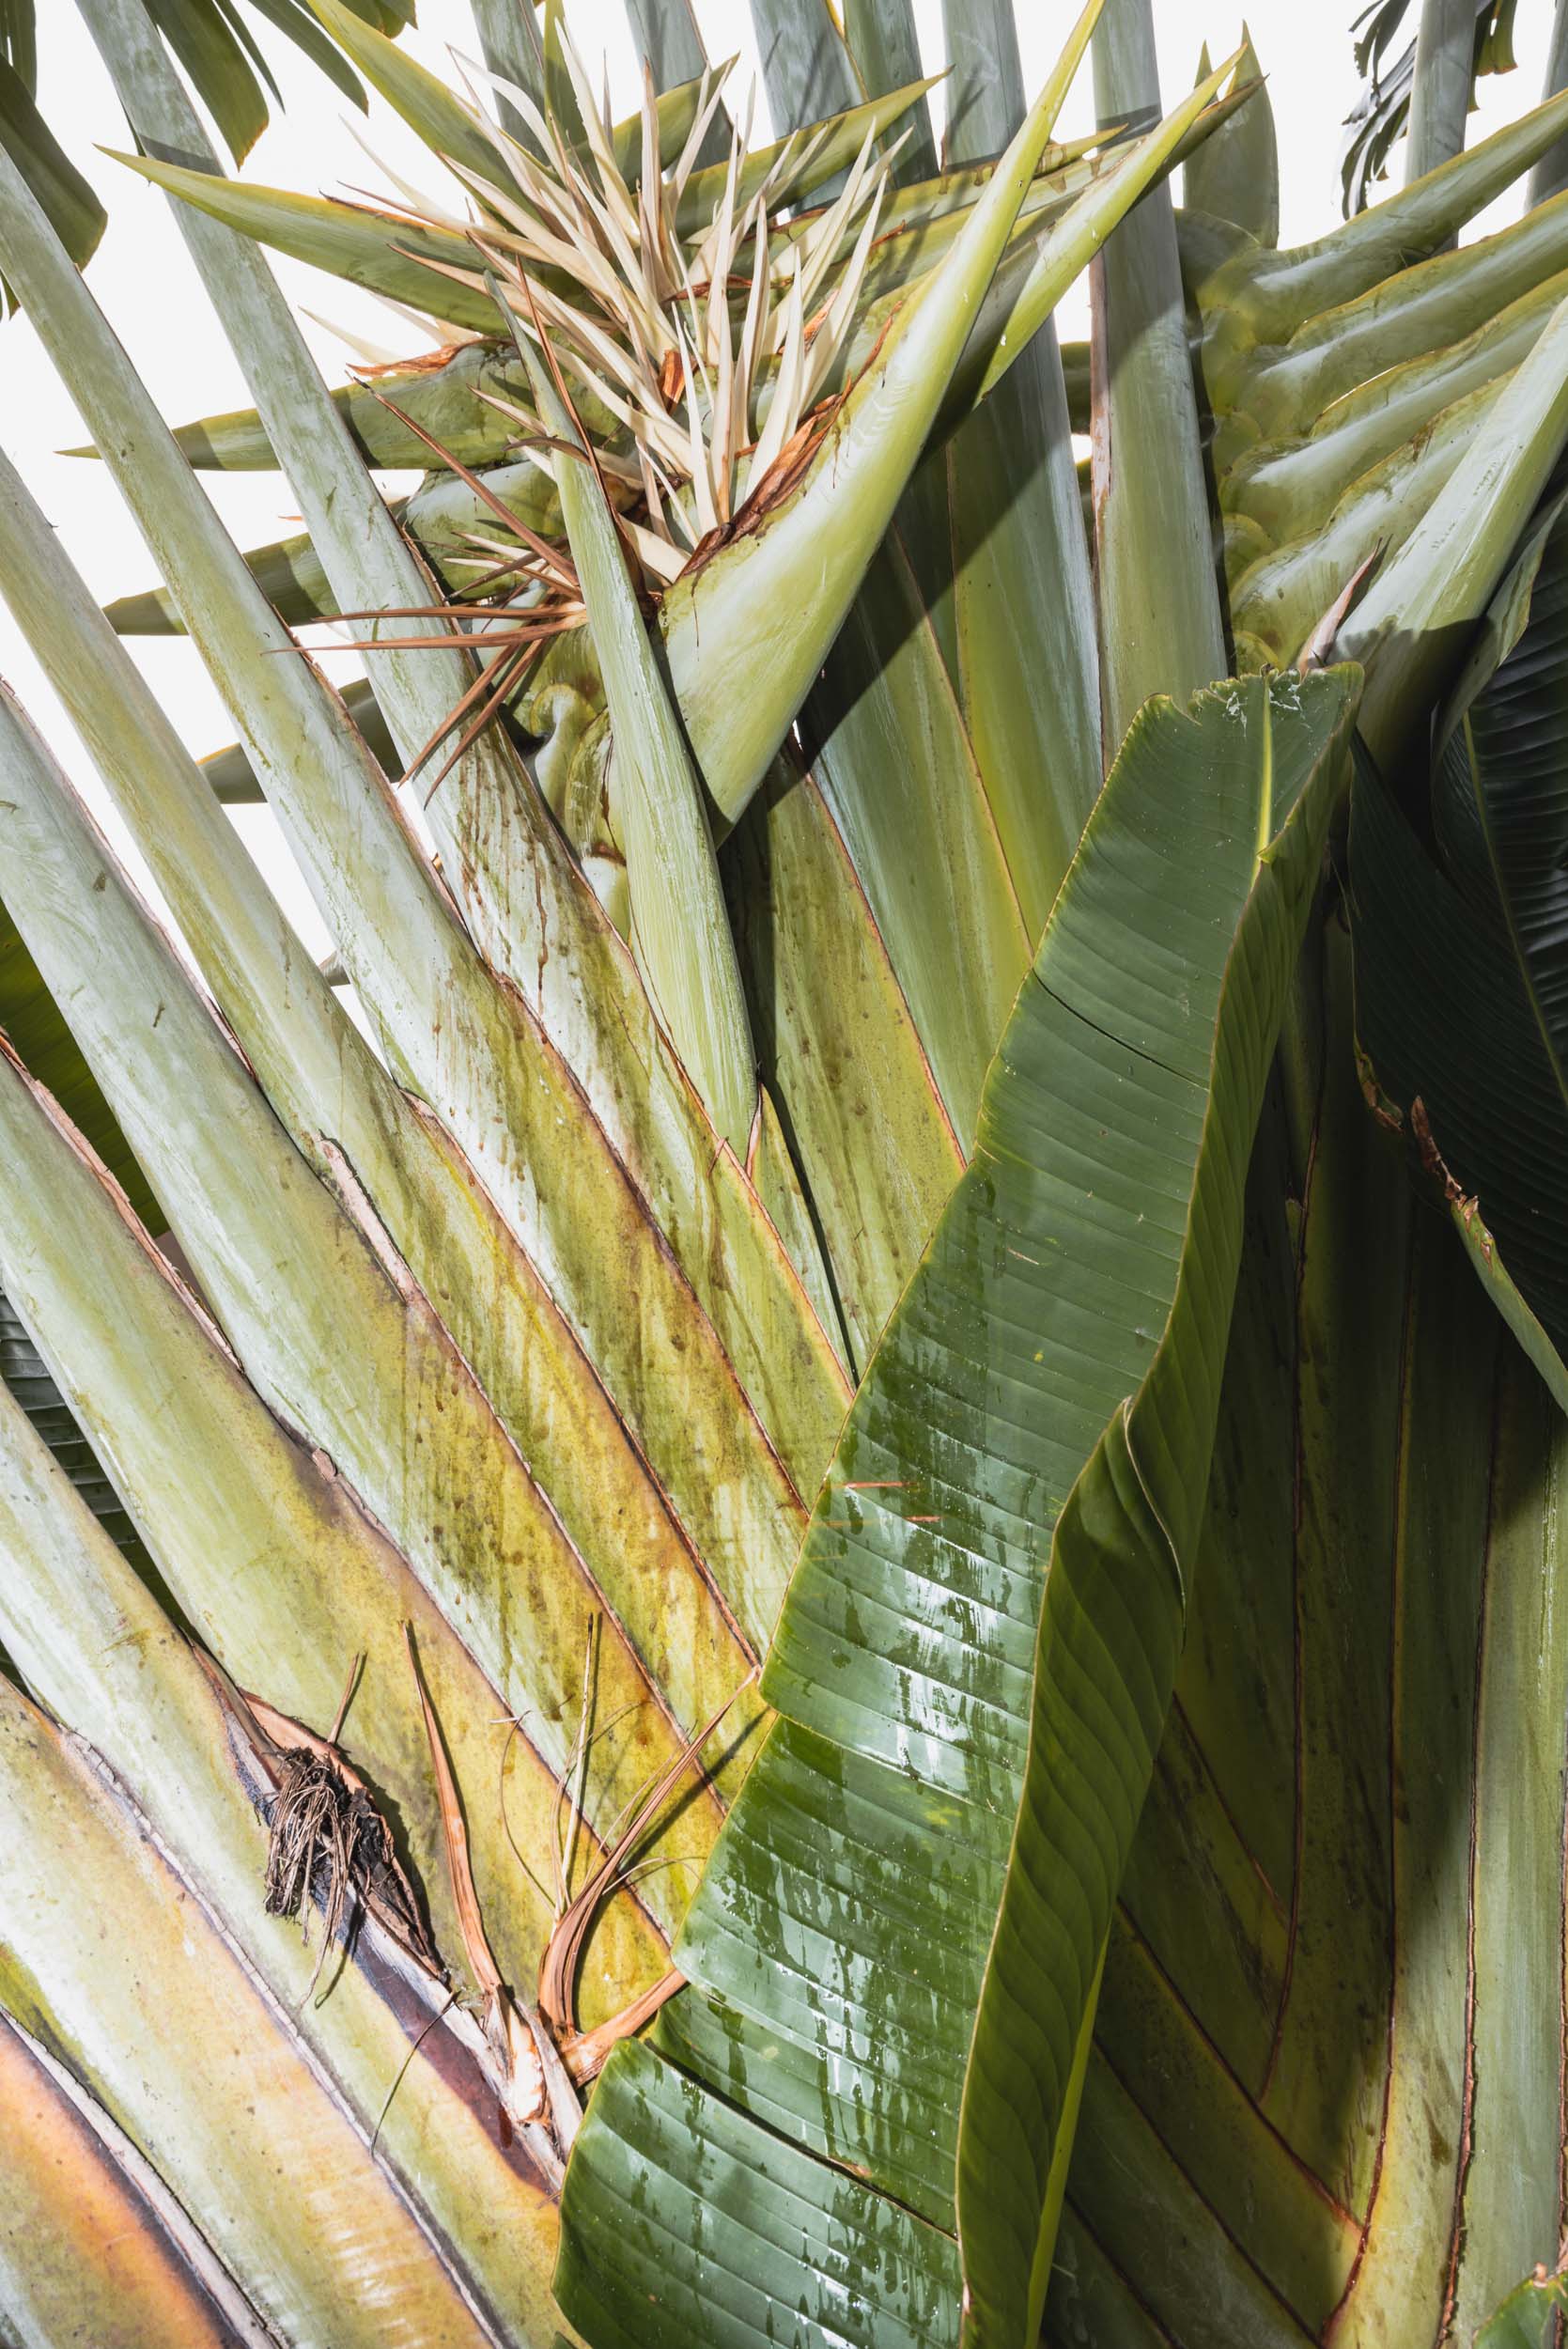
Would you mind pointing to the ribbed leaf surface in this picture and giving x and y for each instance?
(841, 1935)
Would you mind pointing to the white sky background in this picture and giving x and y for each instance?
(145, 282)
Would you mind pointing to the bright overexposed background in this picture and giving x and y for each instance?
(146, 286)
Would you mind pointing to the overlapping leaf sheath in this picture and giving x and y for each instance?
(1347, 378)
(99, 1962)
(178, 1801)
(839, 1944)
(1325, 2099)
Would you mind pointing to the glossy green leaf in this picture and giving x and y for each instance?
(1121, 1559)
(836, 1995)
(1527, 2317)
(783, 2237)
(70, 202)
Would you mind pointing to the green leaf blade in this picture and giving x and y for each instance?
(841, 1936)
(69, 200)
(888, 2280)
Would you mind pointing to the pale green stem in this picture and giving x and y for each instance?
(1029, 572)
(1160, 629)
(509, 44)
(367, 558)
(1440, 95)
(884, 45)
(666, 35)
(1551, 176)
(805, 66)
